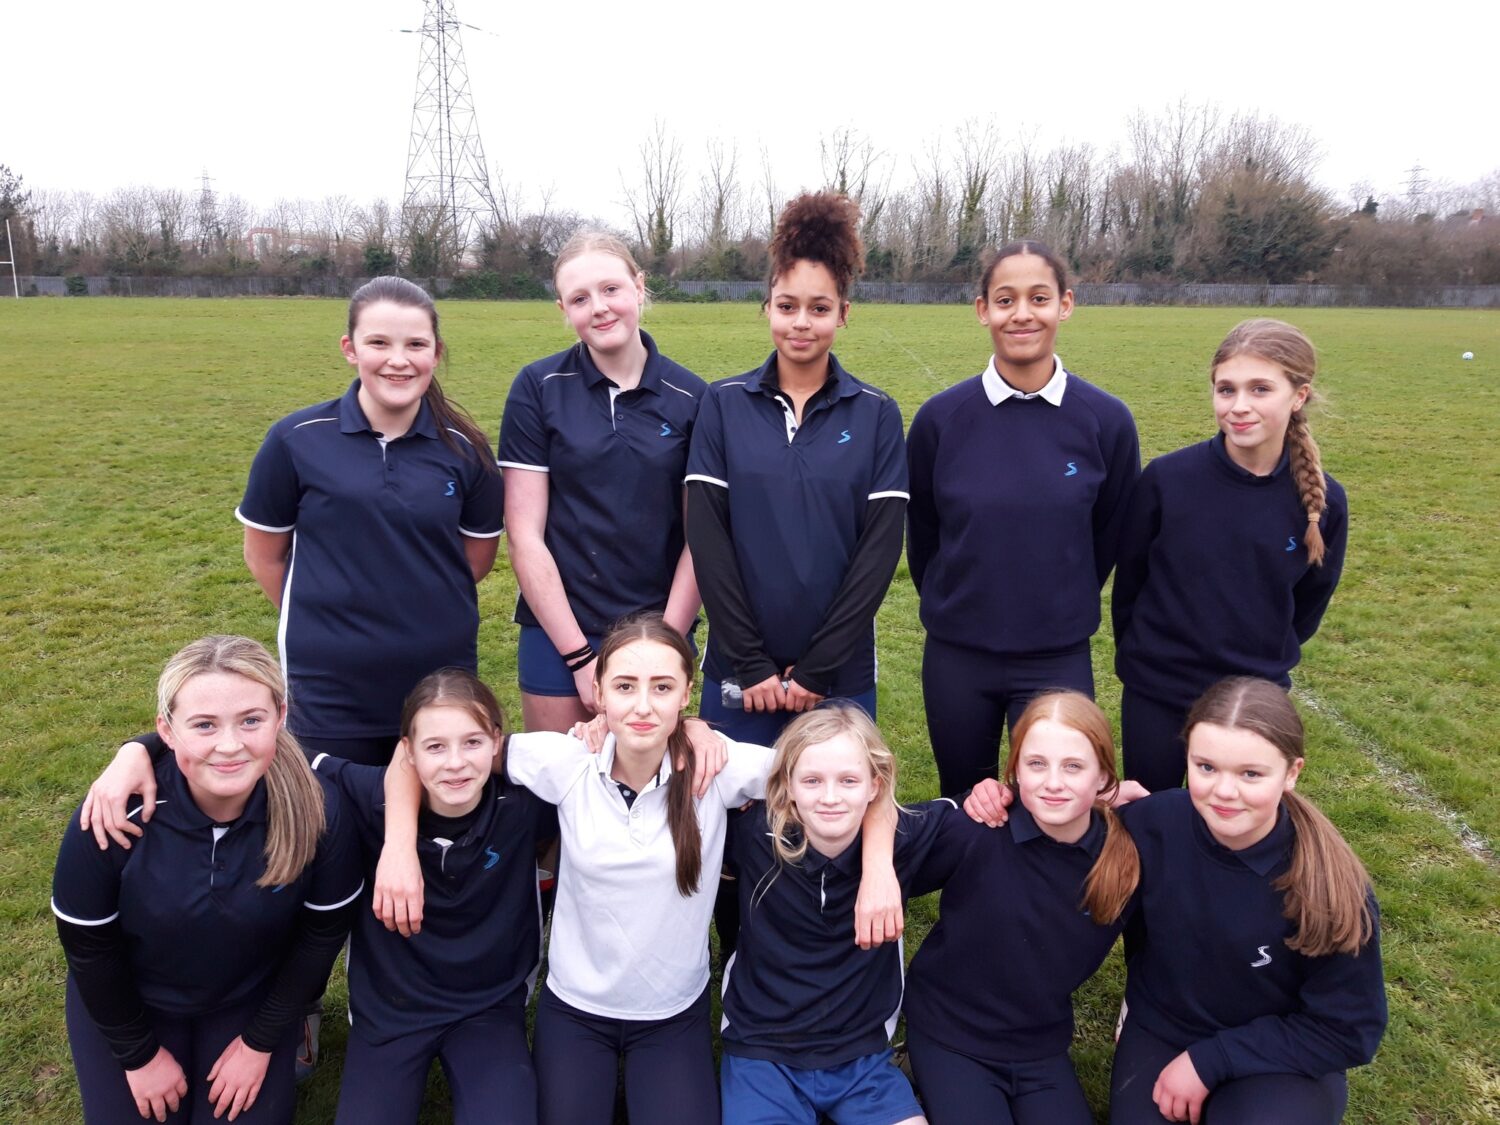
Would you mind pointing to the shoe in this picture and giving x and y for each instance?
(307, 1052)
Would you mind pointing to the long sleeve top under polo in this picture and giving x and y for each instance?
(798, 990)
(995, 977)
(1015, 513)
(1209, 970)
(1213, 578)
(795, 528)
(177, 924)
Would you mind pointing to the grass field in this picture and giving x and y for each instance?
(126, 428)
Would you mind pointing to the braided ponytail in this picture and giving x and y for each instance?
(1283, 345)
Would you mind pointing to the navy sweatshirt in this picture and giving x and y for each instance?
(481, 923)
(798, 991)
(1209, 970)
(1213, 578)
(1015, 514)
(995, 977)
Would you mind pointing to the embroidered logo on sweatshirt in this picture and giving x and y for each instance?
(1291, 543)
(1072, 470)
(1265, 957)
(452, 489)
(843, 437)
(666, 430)
(492, 857)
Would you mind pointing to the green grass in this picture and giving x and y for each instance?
(127, 428)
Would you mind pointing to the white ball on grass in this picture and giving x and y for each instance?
(1468, 355)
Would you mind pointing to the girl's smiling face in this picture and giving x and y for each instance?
(1022, 308)
(222, 730)
(602, 300)
(832, 786)
(805, 311)
(643, 692)
(1059, 778)
(1236, 779)
(1254, 400)
(395, 351)
(453, 752)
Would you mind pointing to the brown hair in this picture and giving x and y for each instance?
(456, 687)
(1326, 888)
(453, 421)
(821, 227)
(1279, 343)
(990, 261)
(1117, 872)
(682, 815)
(294, 801)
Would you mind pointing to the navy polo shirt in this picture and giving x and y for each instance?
(615, 461)
(1015, 514)
(1213, 578)
(994, 978)
(798, 496)
(1209, 971)
(798, 991)
(378, 589)
(200, 934)
(481, 929)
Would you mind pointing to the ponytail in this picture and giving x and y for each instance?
(454, 423)
(1307, 469)
(295, 816)
(1327, 891)
(682, 813)
(1115, 874)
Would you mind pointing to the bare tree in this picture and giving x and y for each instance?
(655, 203)
(974, 166)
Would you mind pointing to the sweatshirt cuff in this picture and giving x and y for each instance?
(817, 687)
(753, 673)
(1211, 1062)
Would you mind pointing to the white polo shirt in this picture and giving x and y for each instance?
(625, 943)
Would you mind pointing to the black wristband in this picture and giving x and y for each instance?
(577, 660)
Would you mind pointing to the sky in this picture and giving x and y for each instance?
(308, 98)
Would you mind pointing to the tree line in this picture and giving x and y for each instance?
(1192, 194)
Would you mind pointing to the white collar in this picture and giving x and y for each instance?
(604, 762)
(997, 390)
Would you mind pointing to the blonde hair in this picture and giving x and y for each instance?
(1117, 872)
(294, 801)
(1326, 888)
(587, 242)
(809, 729)
(1283, 345)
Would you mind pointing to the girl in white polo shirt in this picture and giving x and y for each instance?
(628, 961)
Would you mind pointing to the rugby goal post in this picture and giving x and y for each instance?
(10, 249)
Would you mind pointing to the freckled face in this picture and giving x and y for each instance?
(1253, 403)
(1059, 778)
(805, 313)
(1236, 779)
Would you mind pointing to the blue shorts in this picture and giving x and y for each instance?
(867, 1091)
(541, 670)
(540, 667)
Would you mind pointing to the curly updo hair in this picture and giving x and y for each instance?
(822, 227)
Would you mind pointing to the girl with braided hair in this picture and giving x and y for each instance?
(1231, 551)
(796, 484)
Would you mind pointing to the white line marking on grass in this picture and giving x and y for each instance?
(1403, 781)
(932, 375)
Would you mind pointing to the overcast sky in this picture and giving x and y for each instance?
(305, 98)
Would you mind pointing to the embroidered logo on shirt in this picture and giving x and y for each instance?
(666, 429)
(1291, 542)
(492, 857)
(1072, 470)
(843, 437)
(452, 489)
(1265, 956)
